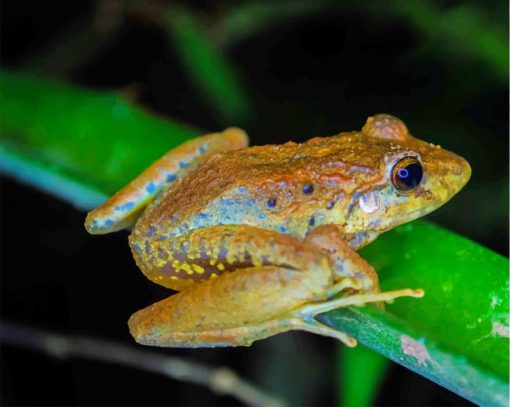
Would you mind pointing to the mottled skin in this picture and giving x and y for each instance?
(259, 240)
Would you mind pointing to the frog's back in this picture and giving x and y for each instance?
(234, 186)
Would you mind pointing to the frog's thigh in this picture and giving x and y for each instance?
(122, 210)
(205, 253)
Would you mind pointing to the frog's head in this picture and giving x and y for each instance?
(414, 177)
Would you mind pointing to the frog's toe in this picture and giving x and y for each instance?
(313, 326)
(311, 310)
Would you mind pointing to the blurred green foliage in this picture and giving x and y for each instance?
(207, 68)
(359, 376)
(95, 138)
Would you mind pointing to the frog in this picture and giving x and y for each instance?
(257, 241)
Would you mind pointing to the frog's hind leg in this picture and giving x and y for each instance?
(231, 310)
(247, 284)
(244, 279)
(122, 210)
(242, 307)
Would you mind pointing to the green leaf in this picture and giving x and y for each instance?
(79, 144)
(358, 387)
(89, 143)
(208, 68)
(457, 335)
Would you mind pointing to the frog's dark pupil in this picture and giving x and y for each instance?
(409, 176)
(307, 189)
(271, 202)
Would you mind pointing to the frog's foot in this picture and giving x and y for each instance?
(303, 318)
(306, 313)
(122, 210)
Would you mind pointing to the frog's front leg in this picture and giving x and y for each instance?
(122, 209)
(265, 282)
(345, 260)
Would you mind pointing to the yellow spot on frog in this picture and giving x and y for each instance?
(198, 269)
(220, 267)
(174, 278)
(212, 262)
(186, 267)
(214, 275)
(176, 265)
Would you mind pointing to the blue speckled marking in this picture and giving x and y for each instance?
(137, 248)
(242, 190)
(148, 250)
(282, 229)
(359, 238)
(354, 200)
(150, 231)
(202, 215)
(170, 177)
(125, 207)
(104, 225)
(374, 223)
(271, 203)
(150, 188)
(183, 164)
(201, 149)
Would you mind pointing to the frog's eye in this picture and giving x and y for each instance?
(407, 174)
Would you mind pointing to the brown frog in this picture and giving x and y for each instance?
(259, 240)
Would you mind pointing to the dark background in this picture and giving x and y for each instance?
(316, 73)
